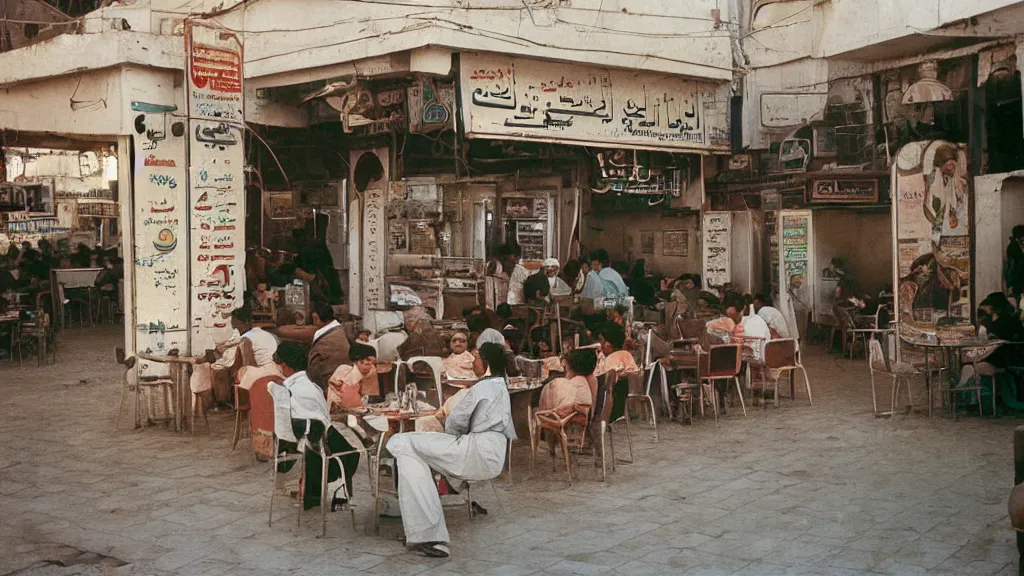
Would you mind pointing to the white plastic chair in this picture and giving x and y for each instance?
(436, 364)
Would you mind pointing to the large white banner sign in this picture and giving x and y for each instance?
(519, 98)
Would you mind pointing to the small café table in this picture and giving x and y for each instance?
(182, 395)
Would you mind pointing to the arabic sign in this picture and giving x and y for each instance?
(530, 99)
(717, 241)
(216, 183)
(161, 261)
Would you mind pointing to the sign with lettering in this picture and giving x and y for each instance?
(216, 186)
(160, 267)
(519, 98)
(850, 191)
(717, 242)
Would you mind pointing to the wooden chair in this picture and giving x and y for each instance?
(719, 362)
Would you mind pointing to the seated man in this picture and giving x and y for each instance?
(613, 340)
(350, 383)
(308, 418)
(459, 364)
(472, 447)
(772, 316)
(330, 345)
(751, 330)
(256, 348)
(563, 395)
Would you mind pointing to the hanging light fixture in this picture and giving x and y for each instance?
(927, 90)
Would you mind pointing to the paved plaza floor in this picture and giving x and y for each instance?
(824, 489)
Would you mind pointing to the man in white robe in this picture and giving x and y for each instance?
(472, 447)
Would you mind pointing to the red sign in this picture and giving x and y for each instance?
(216, 69)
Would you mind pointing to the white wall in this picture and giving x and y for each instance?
(661, 35)
(998, 207)
(86, 104)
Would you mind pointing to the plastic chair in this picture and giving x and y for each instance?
(720, 362)
(879, 362)
(436, 364)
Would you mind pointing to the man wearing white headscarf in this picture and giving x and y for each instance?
(558, 286)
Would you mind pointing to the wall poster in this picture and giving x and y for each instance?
(526, 99)
(717, 241)
(675, 243)
(216, 195)
(161, 252)
(933, 236)
(796, 281)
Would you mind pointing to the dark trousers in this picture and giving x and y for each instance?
(336, 443)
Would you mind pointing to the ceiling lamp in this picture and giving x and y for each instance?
(928, 89)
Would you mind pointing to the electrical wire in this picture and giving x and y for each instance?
(287, 180)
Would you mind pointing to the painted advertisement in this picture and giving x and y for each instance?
(216, 195)
(795, 253)
(717, 241)
(519, 98)
(161, 256)
(933, 235)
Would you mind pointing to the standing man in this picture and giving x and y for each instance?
(472, 447)
(518, 276)
(558, 287)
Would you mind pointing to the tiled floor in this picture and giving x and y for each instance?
(823, 489)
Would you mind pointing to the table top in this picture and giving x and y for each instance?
(167, 359)
(954, 345)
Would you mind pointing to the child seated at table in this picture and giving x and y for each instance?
(459, 364)
(564, 395)
(350, 383)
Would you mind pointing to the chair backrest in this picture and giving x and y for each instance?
(281, 407)
(876, 357)
(436, 364)
(529, 367)
(724, 361)
(781, 353)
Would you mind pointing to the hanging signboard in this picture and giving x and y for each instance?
(717, 241)
(216, 191)
(520, 98)
(933, 239)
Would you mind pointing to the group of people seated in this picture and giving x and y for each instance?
(26, 269)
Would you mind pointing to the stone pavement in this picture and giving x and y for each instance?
(823, 489)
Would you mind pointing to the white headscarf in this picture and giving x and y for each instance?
(490, 335)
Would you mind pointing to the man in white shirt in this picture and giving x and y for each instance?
(775, 319)
(514, 261)
(750, 326)
(300, 412)
(263, 344)
(558, 286)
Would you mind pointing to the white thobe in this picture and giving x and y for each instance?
(775, 320)
(473, 446)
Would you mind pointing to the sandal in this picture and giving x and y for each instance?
(434, 550)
